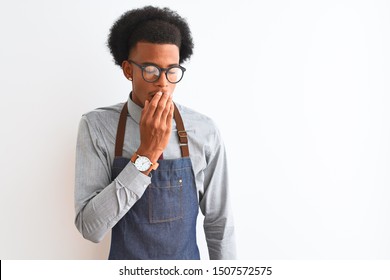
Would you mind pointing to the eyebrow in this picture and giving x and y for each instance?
(151, 63)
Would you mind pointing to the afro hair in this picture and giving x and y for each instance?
(149, 24)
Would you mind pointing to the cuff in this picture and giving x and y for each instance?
(133, 180)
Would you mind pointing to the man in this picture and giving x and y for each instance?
(144, 168)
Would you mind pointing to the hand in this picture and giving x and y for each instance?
(156, 125)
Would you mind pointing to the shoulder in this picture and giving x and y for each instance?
(101, 121)
(194, 120)
(108, 112)
(103, 116)
(202, 128)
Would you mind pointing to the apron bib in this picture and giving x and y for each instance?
(162, 223)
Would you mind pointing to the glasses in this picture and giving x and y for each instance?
(151, 73)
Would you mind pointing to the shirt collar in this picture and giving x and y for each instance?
(134, 110)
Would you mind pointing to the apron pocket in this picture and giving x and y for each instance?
(165, 202)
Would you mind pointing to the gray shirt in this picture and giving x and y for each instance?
(100, 203)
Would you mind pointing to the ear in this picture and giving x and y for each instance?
(127, 69)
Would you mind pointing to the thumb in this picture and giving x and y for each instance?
(143, 112)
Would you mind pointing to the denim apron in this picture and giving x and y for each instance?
(162, 223)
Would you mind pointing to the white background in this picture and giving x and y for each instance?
(299, 90)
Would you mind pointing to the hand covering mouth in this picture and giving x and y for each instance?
(153, 93)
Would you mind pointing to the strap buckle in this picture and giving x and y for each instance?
(182, 133)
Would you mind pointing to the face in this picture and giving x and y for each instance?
(162, 55)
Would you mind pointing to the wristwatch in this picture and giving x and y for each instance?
(142, 163)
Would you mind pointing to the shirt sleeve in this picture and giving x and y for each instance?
(99, 202)
(215, 205)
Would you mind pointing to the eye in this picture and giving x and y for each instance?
(174, 71)
(151, 70)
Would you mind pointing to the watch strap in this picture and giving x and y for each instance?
(153, 167)
(134, 157)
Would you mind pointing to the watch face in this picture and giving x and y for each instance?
(142, 163)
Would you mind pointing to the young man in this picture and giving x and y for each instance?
(144, 168)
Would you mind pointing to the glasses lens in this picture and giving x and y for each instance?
(151, 73)
(174, 74)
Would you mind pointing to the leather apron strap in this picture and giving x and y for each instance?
(181, 133)
(120, 133)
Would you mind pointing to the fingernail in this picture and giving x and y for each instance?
(159, 93)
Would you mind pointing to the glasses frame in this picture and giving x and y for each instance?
(142, 67)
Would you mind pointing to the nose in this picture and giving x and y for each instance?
(162, 82)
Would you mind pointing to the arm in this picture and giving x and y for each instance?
(215, 205)
(100, 203)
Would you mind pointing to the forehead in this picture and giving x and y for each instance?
(160, 54)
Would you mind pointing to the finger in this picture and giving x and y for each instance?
(146, 105)
(162, 104)
(170, 116)
(153, 104)
(166, 110)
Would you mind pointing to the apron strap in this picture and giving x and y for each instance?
(181, 132)
(120, 133)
